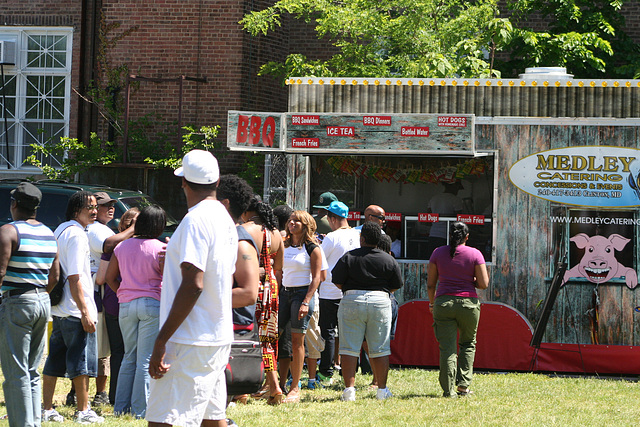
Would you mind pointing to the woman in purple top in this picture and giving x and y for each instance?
(455, 272)
(135, 274)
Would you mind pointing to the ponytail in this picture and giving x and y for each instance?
(457, 235)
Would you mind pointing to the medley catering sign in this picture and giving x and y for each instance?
(596, 176)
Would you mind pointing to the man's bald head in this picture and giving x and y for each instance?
(374, 213)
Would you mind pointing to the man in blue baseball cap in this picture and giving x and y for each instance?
(341, 240)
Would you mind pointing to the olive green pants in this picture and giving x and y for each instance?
(453, 315)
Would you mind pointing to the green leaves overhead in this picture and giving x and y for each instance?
(451, 38)
(401, 38)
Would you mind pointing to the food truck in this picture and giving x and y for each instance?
(544, 169)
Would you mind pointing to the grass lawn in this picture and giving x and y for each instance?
(499, 400)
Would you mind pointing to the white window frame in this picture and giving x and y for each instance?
(21, 72)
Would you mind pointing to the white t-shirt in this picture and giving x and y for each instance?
(206, 238)
(97, 233)
(73, 252)
(334, 245)
(296, 269)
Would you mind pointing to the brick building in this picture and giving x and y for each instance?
(58, 53)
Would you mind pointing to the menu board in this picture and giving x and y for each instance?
(322, 133)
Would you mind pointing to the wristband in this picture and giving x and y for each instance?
(305, 303)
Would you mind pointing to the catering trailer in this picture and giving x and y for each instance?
(545, 170)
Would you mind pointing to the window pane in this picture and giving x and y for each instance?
(46, 51)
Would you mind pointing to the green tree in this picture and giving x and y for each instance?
(404, 38)
(448, 38)
(582, 35)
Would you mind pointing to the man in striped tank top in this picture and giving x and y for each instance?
(28, 266)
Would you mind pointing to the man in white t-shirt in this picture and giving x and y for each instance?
(187, 366)
(341, 240)
(72, 346)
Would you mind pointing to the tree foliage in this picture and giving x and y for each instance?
(447, 38)
(586, 36)
(404, 38)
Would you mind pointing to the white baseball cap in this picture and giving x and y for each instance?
(199, 167)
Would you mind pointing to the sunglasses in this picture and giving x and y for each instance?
(91, 207)
(380, 217)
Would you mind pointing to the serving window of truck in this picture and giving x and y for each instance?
(422, 169)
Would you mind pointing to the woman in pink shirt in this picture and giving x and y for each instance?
(135, 274)
(454, 273)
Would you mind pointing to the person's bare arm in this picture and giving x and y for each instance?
(8, 244)
(482, 277)
(111, 242)
(277, 247)
(75, 286)
(432, 282)
(247, 276)
(184, 301)
(316, 279)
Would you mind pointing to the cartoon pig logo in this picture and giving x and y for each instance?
(599, 263)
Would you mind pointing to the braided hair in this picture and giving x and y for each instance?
(457, 234)
(264, 211)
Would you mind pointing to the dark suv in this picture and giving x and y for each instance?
(55, 195)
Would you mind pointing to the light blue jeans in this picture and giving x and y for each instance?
(365, 314)
(139, 322)
(23, 321)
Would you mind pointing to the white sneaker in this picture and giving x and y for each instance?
(52, 415)
(349, 394)
(383, 394)
(88, 417)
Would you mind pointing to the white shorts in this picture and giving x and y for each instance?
(313, 338)
(194, 388)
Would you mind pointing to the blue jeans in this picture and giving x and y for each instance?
(139, 322)
(22, 339)
(72, 351)
(290, 301)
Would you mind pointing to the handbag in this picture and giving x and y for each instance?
(245, 369)
(55, 296)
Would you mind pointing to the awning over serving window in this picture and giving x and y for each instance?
(322, 133)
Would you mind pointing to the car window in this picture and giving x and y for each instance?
(5, 204)
(140, 202)
(52, 210)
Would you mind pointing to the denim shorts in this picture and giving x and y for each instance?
(365, 314)
(72, 351)
(290, 301)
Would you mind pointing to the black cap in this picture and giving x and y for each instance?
(27, 196)
(103, 198)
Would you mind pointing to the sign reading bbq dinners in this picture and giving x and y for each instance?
(318, 133)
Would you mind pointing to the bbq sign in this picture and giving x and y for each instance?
(254, 131)
(597, 176)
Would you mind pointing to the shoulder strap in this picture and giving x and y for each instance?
(310, 246)
(65, 229)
